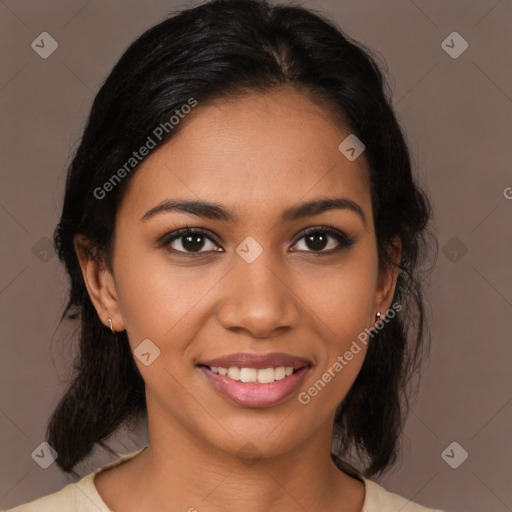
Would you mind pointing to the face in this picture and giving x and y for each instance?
(257, 281)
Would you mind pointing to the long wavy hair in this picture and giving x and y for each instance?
(217, 50)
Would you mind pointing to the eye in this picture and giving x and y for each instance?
(192, 241)
(188, 241)
(316, 239)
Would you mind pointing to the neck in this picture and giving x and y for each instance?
(181, 470)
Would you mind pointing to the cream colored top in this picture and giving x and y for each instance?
(82, 496)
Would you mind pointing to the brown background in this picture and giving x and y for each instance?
(457, 114)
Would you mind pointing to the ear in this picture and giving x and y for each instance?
(99, 283)
(387, 279)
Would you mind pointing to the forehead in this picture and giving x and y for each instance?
(257, 150)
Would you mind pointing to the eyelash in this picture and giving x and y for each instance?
(344, 240)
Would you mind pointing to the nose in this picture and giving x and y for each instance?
(258, 298)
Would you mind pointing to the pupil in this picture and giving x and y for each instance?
(316, 239)
(193, 242)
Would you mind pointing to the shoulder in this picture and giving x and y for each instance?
(81, 496)
(378, 499)
(62, 500)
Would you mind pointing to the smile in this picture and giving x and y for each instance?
(254, 375)
(244, 386)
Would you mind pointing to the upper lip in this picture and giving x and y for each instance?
(247, 360)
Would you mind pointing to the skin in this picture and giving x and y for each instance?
(257, 155)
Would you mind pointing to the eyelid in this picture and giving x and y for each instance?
(344, 241)
(176, 234)
(334, 232)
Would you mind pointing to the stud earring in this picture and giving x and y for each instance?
(111, 328)
(378, 315)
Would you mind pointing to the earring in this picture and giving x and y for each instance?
(111, 328)
(378, 315)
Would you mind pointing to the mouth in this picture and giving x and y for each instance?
(254, 375)
(256, 381)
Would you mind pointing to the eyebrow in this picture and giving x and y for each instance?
(216, 211)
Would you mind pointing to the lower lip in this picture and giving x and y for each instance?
(254, 394)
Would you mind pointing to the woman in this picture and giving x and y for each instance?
(242, 234)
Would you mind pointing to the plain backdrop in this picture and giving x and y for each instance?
(457, 116)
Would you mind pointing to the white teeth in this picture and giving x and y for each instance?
(261, 375)
(233, 373)
(248, 374)
(280, 373)
(266, 375)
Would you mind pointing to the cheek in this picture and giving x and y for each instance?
(341, 296)
(157, 297)
(169, 302)
(341, 300)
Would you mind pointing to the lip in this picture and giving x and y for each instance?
(254, 394)
(248, 360)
